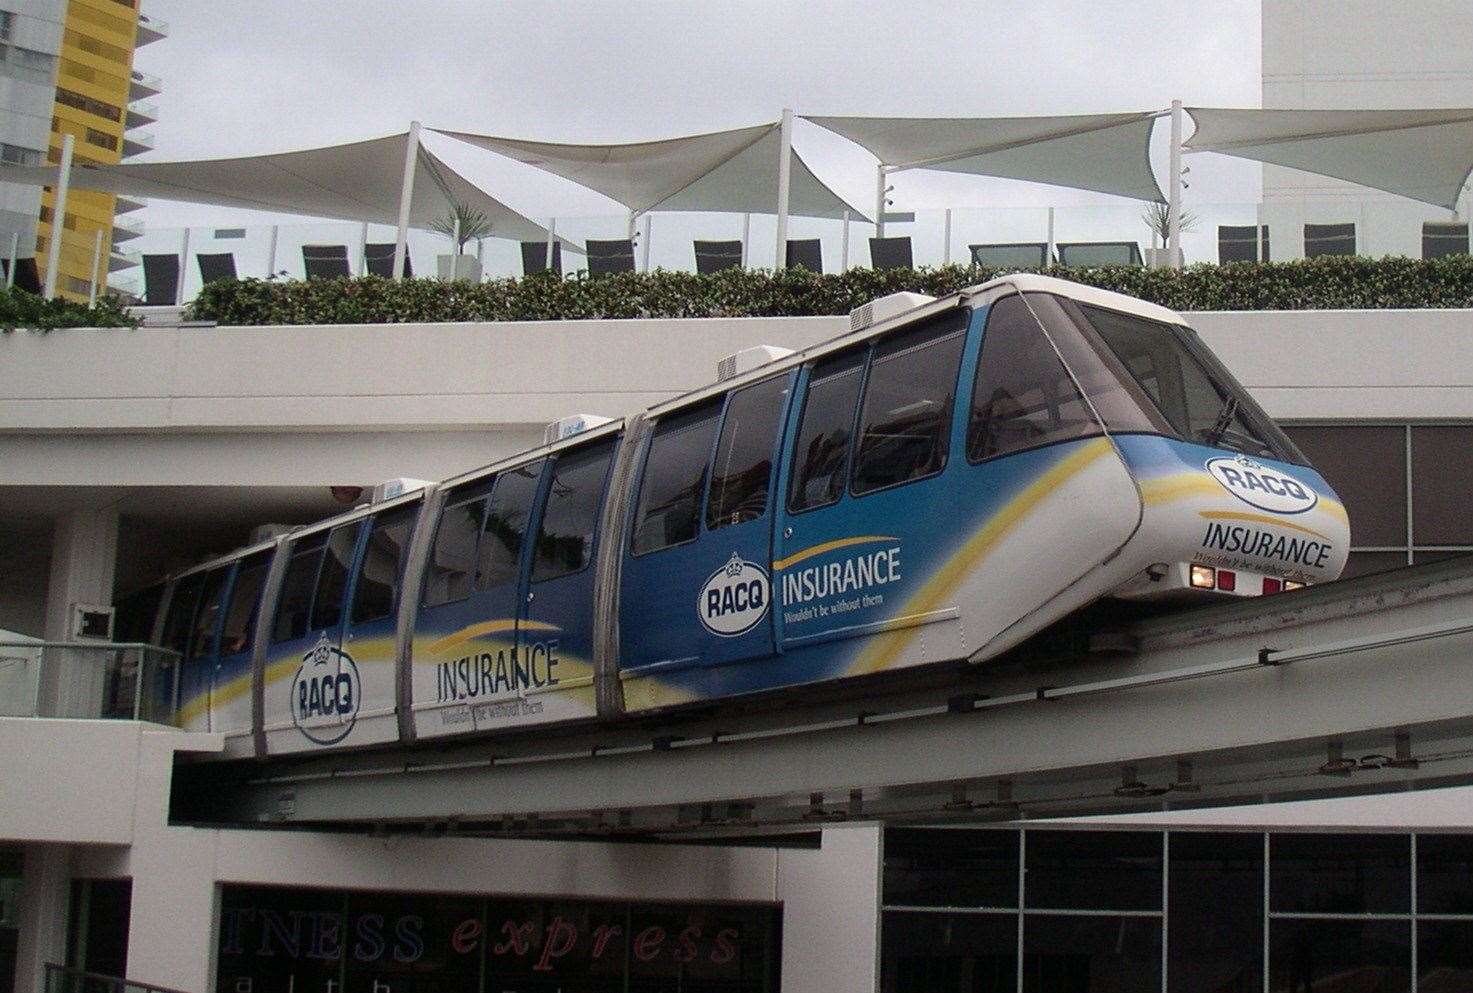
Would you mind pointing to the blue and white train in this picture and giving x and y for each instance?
(947, 479)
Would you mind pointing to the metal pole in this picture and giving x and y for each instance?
(183, 267)
(14, 251)
(644, 249)
(946, 256)
(880, 200)
(1052, 244)
(58, 215)
(96, 263)
(363, 249)
(844, 249)
(1173, 241)
(746, 239)
(784, 186)
(551, 239)
(406, 194)
(271, 252)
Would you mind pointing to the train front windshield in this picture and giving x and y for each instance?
(1167, 370)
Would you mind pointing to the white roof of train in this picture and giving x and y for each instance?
(1032, 282)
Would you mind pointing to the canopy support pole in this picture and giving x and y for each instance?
(644, 249)
(406, 193)
(14, 252)
(551, 240)
(880, 200)
(363, 249)
(271, 252)
(1173, 208)
(844, 249)
(1258, 252)
(183, 267)
(58, 214)
(746, 240)
(1053, 245)
(946, 254)
(784, 187)
(96, 264)
(629, 231)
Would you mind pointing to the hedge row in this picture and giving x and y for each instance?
(19, 309)
(1316, 284)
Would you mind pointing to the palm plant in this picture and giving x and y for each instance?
(1158, 218)
(463, 225)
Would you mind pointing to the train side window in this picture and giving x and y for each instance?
(296, 589)
(332, 580)
(245, 601)
(821, 457)
(453, 558)
(207, 617)
(669, 508)
(743, 469)
(506, 526)
(178, 621)
(565, 535)
(377, 586)
(905, 418)
(1022, 397)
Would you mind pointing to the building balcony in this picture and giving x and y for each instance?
(150, 30)
(137, 143)
(119, 680)
(140, 114)
(144, 84)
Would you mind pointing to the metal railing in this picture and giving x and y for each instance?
(62, 979)
(88, 679)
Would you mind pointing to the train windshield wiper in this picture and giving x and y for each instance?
(1224, 421)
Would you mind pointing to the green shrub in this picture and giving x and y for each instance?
(19, 309)
(1316, 284)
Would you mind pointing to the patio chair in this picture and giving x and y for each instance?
(326, 261)
(1090, 253)
(27, 276)
(160, 280)
(534, 257)
(606, 257)
(806, 252)
(714, 256)
(379, 257)
(1328, 239)
(1441, 239)
(1239, 243)
(214, 267)
(1011, 255)
(891, 253)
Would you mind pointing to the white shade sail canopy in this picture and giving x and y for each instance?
(1105, 153)
(359, 181)
(1422, 154)
(725, 171)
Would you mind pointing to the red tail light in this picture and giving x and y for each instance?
(1272, 585)
(1227, 580)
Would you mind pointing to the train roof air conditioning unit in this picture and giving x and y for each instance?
(397, 487)
(748, 359)
(566, 427)
(885, 307)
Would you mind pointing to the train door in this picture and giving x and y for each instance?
(468, 673)
(312, 691)
(556, 636)
(870, 516)
(230, 682)
(191, 683)
(369, 633)
(696, 597)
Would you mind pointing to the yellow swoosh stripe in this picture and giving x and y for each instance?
(828, 546)
(485, 627)
(942, 585)
(1232, 515)
(1178, 486)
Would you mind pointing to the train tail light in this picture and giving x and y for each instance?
(1272, 585)
(1204, 577)
(1227, 580)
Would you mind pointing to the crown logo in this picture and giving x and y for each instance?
(735, 567)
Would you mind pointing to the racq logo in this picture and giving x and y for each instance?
(734, 600)
(326, 694)
(1259, 486)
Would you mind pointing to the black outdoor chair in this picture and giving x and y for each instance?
(214, 267)
(1440, 240)
(1328, 239)
(1239, 243)
(326, 261)
(1011, 255)
(806, 252)
(1090, 253)
(379, 257)
(606, 257)
(27, 276)
(714, 256)
(891, 253)
(160, 280)
(534, 257)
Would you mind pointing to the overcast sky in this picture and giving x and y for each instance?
(254, 76)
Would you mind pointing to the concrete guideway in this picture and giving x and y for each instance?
(1354, 687)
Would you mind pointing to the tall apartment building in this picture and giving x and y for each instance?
(68, 69)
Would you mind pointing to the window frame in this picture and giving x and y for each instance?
(539, 467)
(775, 453)
(261, 559)
(280, 601)
(355, 574)
(553, 459)
(472, 491)
(861, 367)
(718, 415)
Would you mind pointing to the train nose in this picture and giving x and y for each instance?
(1277, 520)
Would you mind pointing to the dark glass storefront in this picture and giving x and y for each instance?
(275, 940)
(1046, 911)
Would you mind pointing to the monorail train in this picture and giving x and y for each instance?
(938, 484)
